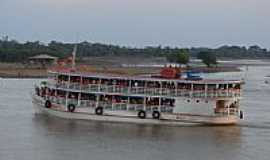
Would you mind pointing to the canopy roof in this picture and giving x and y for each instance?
(43, 56)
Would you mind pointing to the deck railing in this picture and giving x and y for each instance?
(73, 101)
(149, 91)
(88, 103)
(135, 107)
(166, 108)
(57, 100)
(121, 106)
(228, 111)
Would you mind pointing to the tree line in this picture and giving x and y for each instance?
(14, 51)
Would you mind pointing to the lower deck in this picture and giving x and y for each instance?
(90, 113)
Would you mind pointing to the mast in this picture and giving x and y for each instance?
(74, 52)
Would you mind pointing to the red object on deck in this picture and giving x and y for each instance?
(170, 72)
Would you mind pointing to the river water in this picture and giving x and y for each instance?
(26, 136)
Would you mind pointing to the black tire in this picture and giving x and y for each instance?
(48, 104)
(142, 114)
(99, 111)
(71, 107)
(156, 114)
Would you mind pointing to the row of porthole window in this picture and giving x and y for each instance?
(197, 101)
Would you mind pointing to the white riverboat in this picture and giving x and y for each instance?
(166, 98)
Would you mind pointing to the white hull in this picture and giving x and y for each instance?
(169, 119)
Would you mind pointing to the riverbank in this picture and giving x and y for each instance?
(23, 73)
(42, 73)
(126, 65)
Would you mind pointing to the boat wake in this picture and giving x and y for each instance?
(259, 125)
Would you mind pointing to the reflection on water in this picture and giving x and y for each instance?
(55, 125)
(137, 141)
(24, 135)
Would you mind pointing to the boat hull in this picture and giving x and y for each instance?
(166, 119)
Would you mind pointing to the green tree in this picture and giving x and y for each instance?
(171, 57)
(208, 58)
(182, 57)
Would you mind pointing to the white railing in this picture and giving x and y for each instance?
(58, 100)
(88, 103)
(150, 108)
(91, 88)
(149, 91)
(216, 93)
(166, 108)
(227, 111)
(72, 101)
(105, 105)
(75, 86)
(119, 106)
(135, 107)
(137, 90)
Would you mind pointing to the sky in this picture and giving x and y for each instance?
(139, 23)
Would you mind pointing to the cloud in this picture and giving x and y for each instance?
(186, 22)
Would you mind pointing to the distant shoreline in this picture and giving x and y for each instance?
(42, 73)
(12, 70)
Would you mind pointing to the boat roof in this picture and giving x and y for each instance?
(143, 77)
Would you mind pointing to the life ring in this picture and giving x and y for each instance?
(48, 104)
(71, 107)
(142, 114)
(99, 111)
(156, 114)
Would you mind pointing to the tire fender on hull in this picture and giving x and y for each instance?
(156, 115)
(142, 114)
(71, 107)
(48, 104)
(99, 111)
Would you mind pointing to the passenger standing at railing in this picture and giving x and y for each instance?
(37, 90)
(43, 92)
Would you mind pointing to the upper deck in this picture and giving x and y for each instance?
(143, 85)
(144, 77)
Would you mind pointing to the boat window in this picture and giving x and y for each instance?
(137, 83)
(237, 86)
(168, 102)
(169, 85)
(183, 86)
(52, 76)
(61, 93)
(75, 79)
(222, 86)
(198, 86)
(62, 78)
(152, 101)
(136, 100)
(211, 86)
(153, 84)
(107, 81)
(89, 80)
(91, 97)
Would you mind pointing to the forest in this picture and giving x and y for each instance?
(14, 51)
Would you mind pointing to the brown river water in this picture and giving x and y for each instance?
(26, 136)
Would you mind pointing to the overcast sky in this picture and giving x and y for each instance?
(183, 23)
